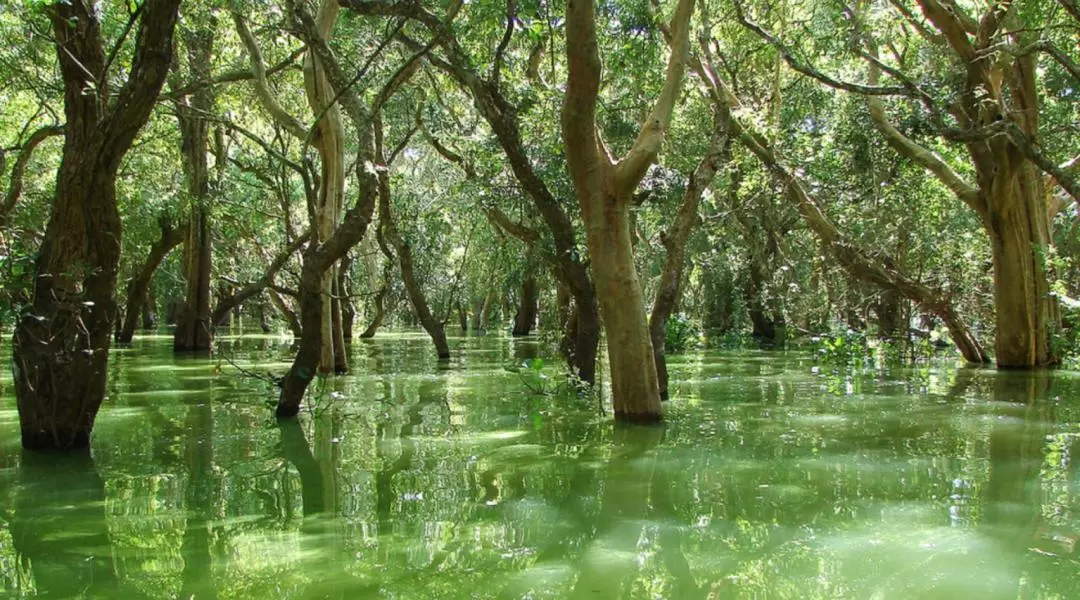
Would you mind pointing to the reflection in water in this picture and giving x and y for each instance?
(295, 450)
(58, 527)
(197, 579)
(410, 481)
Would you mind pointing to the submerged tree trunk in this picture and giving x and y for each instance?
(149, 311)
(419, 302)
(604, 188)
(525, 319)
(348, 311)
(140, 284)
(194, 330)
(674, 240)
(329, 141)
(61, 344)
(1008, 193)
(319, 258)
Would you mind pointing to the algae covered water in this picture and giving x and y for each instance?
(410, 479)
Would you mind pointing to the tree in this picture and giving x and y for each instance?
(605, 187)
(61, 344)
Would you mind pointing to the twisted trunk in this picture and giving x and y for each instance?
(61, 343)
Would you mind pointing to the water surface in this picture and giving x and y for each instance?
(408, 479)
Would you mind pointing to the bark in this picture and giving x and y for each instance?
(674, 240)
(604, 188)
(525, 318)
(194, 330)
(61, 343)
(403, 250)
(140, 283)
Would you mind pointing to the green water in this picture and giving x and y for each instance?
(410, 480)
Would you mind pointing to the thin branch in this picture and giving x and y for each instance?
(496, 63)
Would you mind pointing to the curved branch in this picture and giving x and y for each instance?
(809, 71)
(923, 157)
(496, 63)
(18, 169)
(262, 86)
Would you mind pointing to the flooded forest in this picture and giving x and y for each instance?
(522, 299)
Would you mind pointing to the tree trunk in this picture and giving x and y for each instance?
(348, 310)
(1019, 237)
(194, 330)
(330, 143)
(320, 257)
(525, 318)
(604, 188)
(341, 359)
(380, 313)
(149, 311)
(634, 386)
(674, 240)
(403, 249)
(463, 317)
(61, 343)
(140, 283)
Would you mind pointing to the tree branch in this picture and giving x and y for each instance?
(18, 169)
(262, 86)
(632, 168)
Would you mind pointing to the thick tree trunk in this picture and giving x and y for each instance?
(634, 386)
(525, 318)
(194, 329)
(1019, 239)
(61, 343)
(140, 283)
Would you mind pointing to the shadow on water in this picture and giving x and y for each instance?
(58, 527)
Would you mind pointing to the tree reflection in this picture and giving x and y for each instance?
(58, 526)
